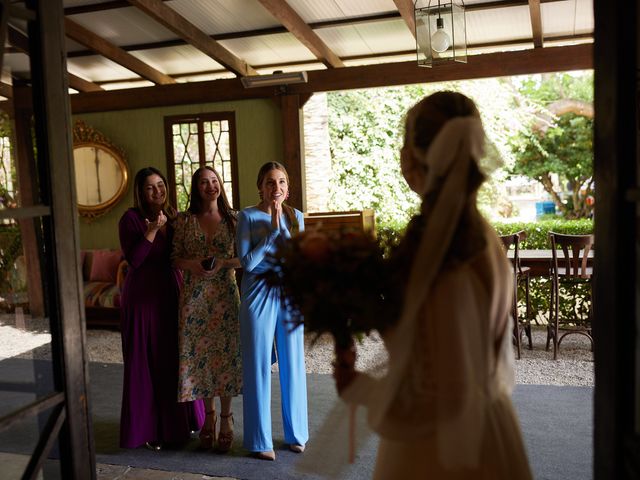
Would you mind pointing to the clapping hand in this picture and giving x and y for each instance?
(158, 223)
(276, 211)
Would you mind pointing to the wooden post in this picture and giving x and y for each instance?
(293, 148)
(27, 174)
(617, 241)
(52, 120)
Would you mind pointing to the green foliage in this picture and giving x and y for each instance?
(558, 146)
(538, 232)
(10, 250)
(547, 88)
(537, 238)
(365, 128)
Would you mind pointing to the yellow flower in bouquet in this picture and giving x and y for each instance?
(332, 282)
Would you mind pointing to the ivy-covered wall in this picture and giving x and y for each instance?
(140, 133)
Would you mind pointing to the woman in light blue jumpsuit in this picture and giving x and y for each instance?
(264, 318)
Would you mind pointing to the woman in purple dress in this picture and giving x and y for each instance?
(151, 414)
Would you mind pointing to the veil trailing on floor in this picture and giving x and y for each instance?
(407, 397)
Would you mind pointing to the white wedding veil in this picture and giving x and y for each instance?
(395, 394)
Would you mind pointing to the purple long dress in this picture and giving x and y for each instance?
(149, 302)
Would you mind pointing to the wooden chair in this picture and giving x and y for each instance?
(569, 268)
(521, 277)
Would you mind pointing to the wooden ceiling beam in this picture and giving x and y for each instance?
(286, 15)
(304, 64)
(6, 90)
(183, 28)
(83, 85)
(406, 9)
(522, 62)
(536, 23)
(21, 42)
(338, 22)
(86, 37)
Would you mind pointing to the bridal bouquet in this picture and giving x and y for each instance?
(332, 283)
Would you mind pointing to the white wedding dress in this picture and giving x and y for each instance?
(464, 346)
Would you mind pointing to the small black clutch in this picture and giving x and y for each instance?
(208, 263)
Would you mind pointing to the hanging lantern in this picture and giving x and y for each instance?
(441, 32)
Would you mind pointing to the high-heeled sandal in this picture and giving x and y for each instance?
(225, 439)
(208, 435)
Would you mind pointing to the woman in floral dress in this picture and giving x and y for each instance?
(209, 330)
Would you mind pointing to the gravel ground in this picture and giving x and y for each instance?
(28, 338)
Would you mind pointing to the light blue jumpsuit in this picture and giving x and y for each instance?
(263, 318)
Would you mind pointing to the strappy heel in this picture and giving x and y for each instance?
(208, 435)
(225, 439)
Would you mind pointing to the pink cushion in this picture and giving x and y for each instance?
(104, 265)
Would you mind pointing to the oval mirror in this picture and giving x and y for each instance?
(100, 169)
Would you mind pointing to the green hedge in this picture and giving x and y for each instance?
(538, 232)
(537, 238)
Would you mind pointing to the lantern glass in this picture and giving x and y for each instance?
(440, 33)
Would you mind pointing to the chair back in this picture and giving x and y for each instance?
(514, 240)
(575, 250)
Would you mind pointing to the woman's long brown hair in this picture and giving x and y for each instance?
(139, 202)
(195, 201)
(288, 211)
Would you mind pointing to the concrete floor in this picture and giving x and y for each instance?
(13, 466)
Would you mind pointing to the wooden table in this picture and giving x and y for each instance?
(540, 260)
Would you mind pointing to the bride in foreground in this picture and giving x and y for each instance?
(443, 409)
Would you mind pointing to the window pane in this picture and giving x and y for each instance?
(186, 158)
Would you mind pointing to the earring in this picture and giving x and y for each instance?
(287, 197)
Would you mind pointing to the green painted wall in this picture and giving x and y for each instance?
(140, 133)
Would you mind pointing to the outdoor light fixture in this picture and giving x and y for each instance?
(441, 32)
(276, 79)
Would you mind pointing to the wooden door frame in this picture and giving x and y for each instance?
(617, 233)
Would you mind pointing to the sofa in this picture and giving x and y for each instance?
(103, 274)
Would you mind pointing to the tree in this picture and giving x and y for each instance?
(559, 143)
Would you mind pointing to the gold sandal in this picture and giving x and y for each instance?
(225, 439)
(208, 435)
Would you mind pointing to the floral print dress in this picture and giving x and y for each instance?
(209, 330)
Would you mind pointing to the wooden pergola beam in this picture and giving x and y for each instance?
(6, 90)
(183, 28)
(522, 62)
(406, 9)
(286, 15)
(86, 37)
(83, 85)
(536, 23)
(21, 42)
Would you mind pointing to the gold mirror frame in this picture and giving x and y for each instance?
(85, 136)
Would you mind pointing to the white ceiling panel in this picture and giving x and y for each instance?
(267, 49)
(205, 77)
(292, 68)
(366, 39)
(382, 59)
(567, 18)
(16, 63)
(123, 85)
(124, 26)
(317, 11)
(98, 69)
(498, 25)
(223, 16)
(177, 60)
